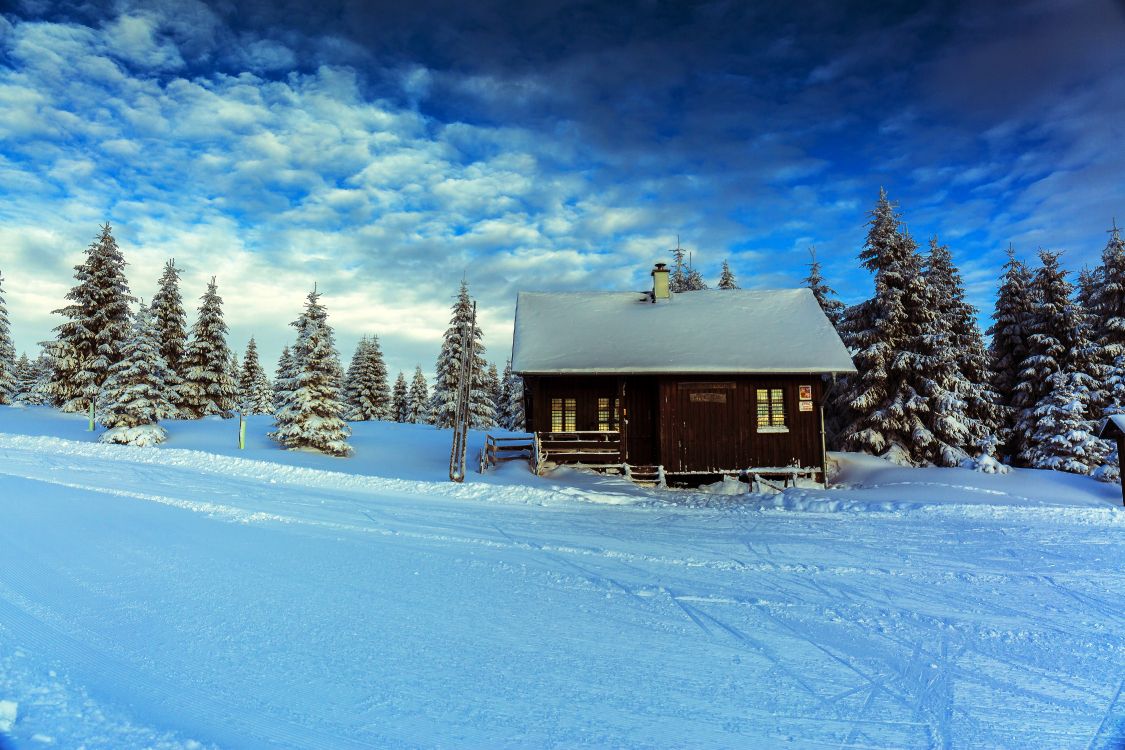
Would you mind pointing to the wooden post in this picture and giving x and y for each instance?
(241, 432)
(1120, 453)
(91, 427)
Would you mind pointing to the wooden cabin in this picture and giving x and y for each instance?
(679, 385)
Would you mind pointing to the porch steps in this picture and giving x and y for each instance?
(646, 476)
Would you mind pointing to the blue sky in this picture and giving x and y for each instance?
(383, 150)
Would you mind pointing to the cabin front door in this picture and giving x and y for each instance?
(641, 430)
(705, 424)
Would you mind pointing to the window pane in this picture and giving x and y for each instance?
(570, 411)
(777, 408)
(556, 415)
(763, 404)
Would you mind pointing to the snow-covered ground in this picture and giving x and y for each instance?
(194, 595)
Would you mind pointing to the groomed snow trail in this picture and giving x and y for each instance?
(149, 602)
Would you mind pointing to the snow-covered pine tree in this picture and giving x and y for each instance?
(513, 395)
(678, 278)
(1107, 304)
(284, 379)
(448, 369)
(25, 378)
(313, 413)
(255, 395)
(34, 387)
(825, 295)
(886, 399)
(208, 387)
(503, 401)
(400, 400)
(168, 315)
(98, 325)
(1008, 348)
(134, 396)
(366, 390)
(1063, 437)
(9, 384)
(1058, 341)
(964, 417)
(492, 388)
(726, 277)
(420, 402)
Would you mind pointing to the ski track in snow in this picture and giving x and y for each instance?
(297, 607)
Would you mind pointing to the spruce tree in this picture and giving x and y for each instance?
(1107, 304)
(208, 387)
(400, 400)
(889, 409)
(513, 400)
(366, 390)
(964, 417)
(34, 385)
(678, 278)
(98, 324)
(25, 378)
(825, 295)
(492, 389)
(1058, 342)
(1008, 348)
(1062, 437)
(255, 395)
(726, 277)
(313, 413)
(284, 379)
(420, 403)
(168, 315)
(9, 384)
(449, 369)
(135, 392)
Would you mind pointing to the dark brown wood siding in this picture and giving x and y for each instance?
(691, 423)
(710, 424)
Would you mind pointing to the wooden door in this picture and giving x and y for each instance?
(705, 426)
(641, 431)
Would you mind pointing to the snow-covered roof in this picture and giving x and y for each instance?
(718, 331)
(1117, 420)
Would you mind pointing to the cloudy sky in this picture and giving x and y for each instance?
(386, 149)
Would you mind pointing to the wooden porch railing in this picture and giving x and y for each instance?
(592, 447)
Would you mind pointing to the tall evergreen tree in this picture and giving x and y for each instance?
(208, 387)
(964, 417)
(98, 324)
(513, 400)
(492, 389)
(25, 378)
(1063, 437)
(825, 295)
(1107, 304)
(449, 369)
(684, 277)
(420, 404)
(168, 314)
(726, 277)
(400, 400)
(1058, 342)
(366, 389)
(33, 389)
(887, 398)
(1009, 331)
(312, 415)
(255, 395)
(9, 384)
(285, 379)
(135, 392)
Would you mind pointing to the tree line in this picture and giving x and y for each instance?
(133, 365)
(930, 390)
